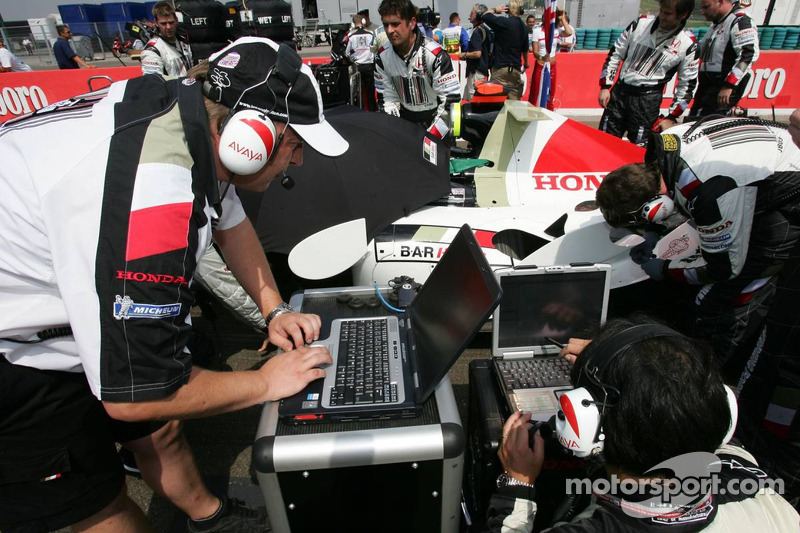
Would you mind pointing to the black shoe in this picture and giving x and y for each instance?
(234, 517)
(129, 463)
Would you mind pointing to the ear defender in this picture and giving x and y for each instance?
(247, 142)
(657, 209)
(733, 405)
(578, 423)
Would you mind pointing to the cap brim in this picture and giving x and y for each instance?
(322, 137)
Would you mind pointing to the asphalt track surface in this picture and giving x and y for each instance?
(222, 444)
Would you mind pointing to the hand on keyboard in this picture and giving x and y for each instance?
(289, 330)
(288, 373)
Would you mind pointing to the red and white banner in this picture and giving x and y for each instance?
(575, 92)
(23, 92)
(578, 74)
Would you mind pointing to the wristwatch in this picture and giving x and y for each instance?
(504, 480)
(281, 309)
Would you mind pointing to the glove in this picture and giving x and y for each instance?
(644, 250)
(654, 268)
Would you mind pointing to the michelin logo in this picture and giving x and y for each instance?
(125, 307)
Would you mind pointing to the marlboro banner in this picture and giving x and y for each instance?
(575, 92)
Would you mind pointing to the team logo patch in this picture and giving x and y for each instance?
(125, 308)
(230, 60)
(189, 81)
(219, 78)
(670, 142)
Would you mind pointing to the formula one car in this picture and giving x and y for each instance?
(532, 204)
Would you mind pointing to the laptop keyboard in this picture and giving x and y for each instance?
(362, 371)
(534, 373)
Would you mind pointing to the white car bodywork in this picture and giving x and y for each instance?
(545, 166)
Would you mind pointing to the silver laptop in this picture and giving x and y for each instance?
(541, 308)
(388, 366)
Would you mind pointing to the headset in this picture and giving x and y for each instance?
(654, 211)
(579, 421)
(248, 138)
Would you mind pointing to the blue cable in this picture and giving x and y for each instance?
(383, 300)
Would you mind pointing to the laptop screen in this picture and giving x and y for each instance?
(558, 305)
(451, 307)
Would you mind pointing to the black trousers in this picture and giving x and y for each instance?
(631, 110)
(705, 99)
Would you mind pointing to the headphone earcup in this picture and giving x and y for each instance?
(578, 423)
(247, 142)
(658, 209)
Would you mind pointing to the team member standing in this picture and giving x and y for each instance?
(360, 42)
(9, 62)
(728, 51)
(102, 230)
(454, 37)
(651, 51)
(414, 76)
(739, 181)
(478, 51)
(166, 54)
(510, 46)
(66, 58)
(542, 55)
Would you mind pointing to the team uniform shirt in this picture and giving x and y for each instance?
(104, 233)
(167, 59)
(420, 84)
(722, 177)
(725, 511)
(650, 60)
(455, 39)
(359, 46)
(9, 60)
(730, 48)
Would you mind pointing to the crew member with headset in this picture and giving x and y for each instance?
(101, 247)
(166, 54)
(645, 397)
(739, 181)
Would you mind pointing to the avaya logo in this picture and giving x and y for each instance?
(251, 155)
(567, 443)
(151, 278)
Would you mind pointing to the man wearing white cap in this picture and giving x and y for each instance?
(102, 232)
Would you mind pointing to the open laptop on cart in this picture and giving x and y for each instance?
(542, 308)
(388, 366)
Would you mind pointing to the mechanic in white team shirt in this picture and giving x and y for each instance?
(166, 54)
(101, 230)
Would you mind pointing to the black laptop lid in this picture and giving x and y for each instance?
(449, 310)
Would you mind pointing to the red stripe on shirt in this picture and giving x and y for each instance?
(157, 230)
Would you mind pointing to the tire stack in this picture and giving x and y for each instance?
(267, 18)
(204, 23)
(233, 21)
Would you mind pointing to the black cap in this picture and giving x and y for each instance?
(256, 73)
